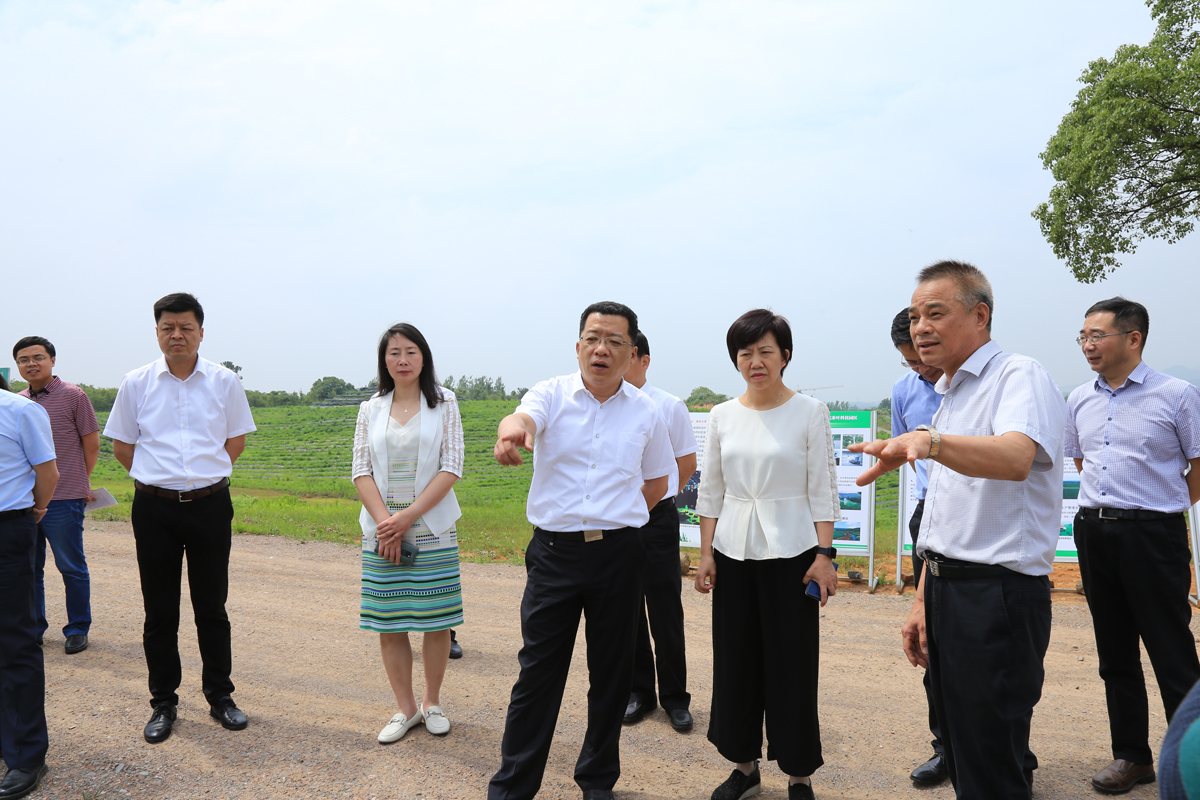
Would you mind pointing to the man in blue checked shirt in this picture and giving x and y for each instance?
(914, 402)
(1133, 433)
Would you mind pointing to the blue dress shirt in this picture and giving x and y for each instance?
(1135, 440)
(25, 441)
(914, 402)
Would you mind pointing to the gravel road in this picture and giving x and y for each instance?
(317, 696)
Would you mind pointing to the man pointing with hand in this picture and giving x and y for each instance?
(981, 618)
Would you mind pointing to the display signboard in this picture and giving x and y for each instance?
(4, 372)
(685, 501)
(1065, 549)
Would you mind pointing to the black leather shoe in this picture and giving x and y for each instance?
(455, 647)
(229, 715)
(597, 794)
(800, 791)
(20, 782)
(76, 643)
(636, 711)
(681, 719)
(932, 772)
(159, 727)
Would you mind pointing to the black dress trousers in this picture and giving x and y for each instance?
(662, 584)
(766, 662)
(987, 643)
(165, 530)
(1137, 578)
(602, 580)
(23, 740)
(914, 530)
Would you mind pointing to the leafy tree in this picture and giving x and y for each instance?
(704, 396)
(102, 399)
(273, 398)
(886, 404)
(234, 368)
(1126, 159)
(839, 405)
(328, 387)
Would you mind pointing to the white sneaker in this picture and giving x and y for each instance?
(395, 729)
(435, 720)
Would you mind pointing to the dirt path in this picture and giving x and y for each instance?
(316, 694)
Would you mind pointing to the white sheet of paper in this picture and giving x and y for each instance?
(104, 499)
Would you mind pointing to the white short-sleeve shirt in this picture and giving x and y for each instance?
(591, 459)
(180, 426)
(1011, 523)
(679, 429)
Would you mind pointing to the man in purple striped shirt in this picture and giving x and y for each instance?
(77, 443)
(1133, 433)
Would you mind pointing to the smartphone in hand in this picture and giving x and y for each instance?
(814, 589)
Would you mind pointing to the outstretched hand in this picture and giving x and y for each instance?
(891, 453)
(512, 435)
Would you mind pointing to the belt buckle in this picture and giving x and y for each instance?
(1100, 513)
(933, 567)
(187, 500)
(593, 535)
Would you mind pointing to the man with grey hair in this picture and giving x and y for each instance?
(981, 619)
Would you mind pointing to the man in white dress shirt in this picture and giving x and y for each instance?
(601, 463)
(177, 425)
(662, 581)
(981, 618)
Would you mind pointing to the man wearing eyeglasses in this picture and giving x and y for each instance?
(914, 402)
(77, 443)
(1133, 433)
(601, 463)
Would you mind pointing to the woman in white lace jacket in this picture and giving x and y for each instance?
(767, 503)
(408, 453)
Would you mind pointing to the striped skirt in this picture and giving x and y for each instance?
(424, 597)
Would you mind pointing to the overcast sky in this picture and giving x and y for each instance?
(315, 170)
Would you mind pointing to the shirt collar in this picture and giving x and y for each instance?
(972, 366)
(577, 386)
(1138, 376)
(161, 367)
(47, 389)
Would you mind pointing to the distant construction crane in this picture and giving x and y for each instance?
(819, 388)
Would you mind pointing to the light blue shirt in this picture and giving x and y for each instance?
(914, 402)
(25, 441)
(1135, 441)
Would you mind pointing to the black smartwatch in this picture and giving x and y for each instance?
(827, 551)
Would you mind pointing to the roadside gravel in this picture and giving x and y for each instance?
(317, 696)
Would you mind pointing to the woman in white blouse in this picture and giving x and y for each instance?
(767, 503)
(408, 452)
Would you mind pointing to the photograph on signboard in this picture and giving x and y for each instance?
(847, 531)
(850, 500)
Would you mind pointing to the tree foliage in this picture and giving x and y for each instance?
(481, 388)
(704, 396)
(328, 387)
(1126, 159)
(234, 368)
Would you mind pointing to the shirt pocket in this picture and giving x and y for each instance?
(629, 455)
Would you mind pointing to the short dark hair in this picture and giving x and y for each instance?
(612, 309)
(754, 325)
(33, 341)
(427, 380)
(643, 344)
(973, 286)
(901, 334)
(1126, 314)
(179, 303)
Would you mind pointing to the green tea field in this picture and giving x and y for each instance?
(294, 479)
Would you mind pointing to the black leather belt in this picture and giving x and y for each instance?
(944, 567)
(664, 505)
(593, 535)
(16, 513)
(1125, 513)
(183, 497)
